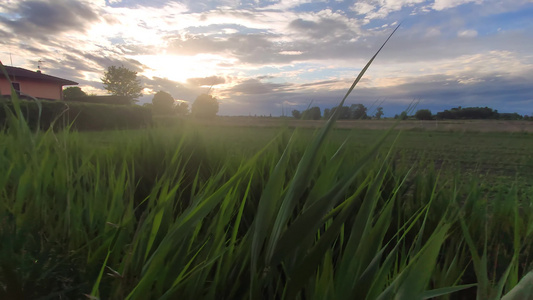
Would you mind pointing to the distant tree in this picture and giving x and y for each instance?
(403, 115)
(121, 81)
(468, 113)
(163, 103)
(510, 116)
(327, 113)
(296, 114)
(379, 113)
(312, 113)
(343, 112)
(73, 92)
(205, 106)
(423, 114)
(182, 108)
(358, 112)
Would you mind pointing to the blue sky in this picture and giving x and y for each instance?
(263, 57)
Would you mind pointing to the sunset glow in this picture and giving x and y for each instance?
(257, 56)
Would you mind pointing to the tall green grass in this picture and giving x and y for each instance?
(159, 215)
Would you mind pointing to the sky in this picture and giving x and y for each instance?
(270, 57)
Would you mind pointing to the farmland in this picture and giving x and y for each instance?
(199, 210)
(494, 150)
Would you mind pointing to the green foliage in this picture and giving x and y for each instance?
(358, 112)
(81, 116)
(353, 112)
(312, 113)
(423, 114)
(121, 81)
(163, 103)
(296, 114)
(107, 99)
(379, 113)
(173, 214)
(205, 106)
(181, 108)
(468, 113)
(73, 92)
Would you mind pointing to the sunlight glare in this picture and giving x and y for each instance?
(181, 68)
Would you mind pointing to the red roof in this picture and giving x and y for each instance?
(15, 73)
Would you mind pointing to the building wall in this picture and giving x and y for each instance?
(37, 89)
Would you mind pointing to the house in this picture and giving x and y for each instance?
(33, 84)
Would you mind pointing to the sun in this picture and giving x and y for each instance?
(180, 68)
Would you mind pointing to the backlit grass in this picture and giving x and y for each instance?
(153, 215)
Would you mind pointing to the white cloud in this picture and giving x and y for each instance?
(468, 33)
(378, 9)
(432, 32)
(363, 8)
(446, 4)
(290, 52)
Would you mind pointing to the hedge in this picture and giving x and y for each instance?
(108, 99)
(82, 116)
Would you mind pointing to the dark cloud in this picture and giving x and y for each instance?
(108, 61)
(212, 80)
(436, 93)
(247, 47)
(174, 88)
(255, 86)
(319, 83)
(325, 28)
(40, 19)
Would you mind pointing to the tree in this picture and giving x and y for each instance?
(327, 113)
(163, 103)
(379, 113)
(312, 113)
(342, 112)
(296, 114)
(403, 115)
(358, 111)
(423, 114)
(121, 81)
(205, 106)
(182, 108)
(73, 92)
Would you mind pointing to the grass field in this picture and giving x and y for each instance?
(495, 150)
(225, 209)
(112, 206)
(202, 211)
(439, 125)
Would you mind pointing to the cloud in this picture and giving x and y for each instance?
(468, 33)
(447, 4)
(324, 28)
(39, 19)
(363, 8)
(178, 90)
(212, 80)
(266, 55)
(255, 86)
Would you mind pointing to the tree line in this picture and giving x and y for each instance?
(359, 112)
(125, 88)
(352, 112)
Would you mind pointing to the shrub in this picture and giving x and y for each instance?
(108, 99)
(423, 114)
(205, 106)
(73, 92)
(82, 116)
(163, 103)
